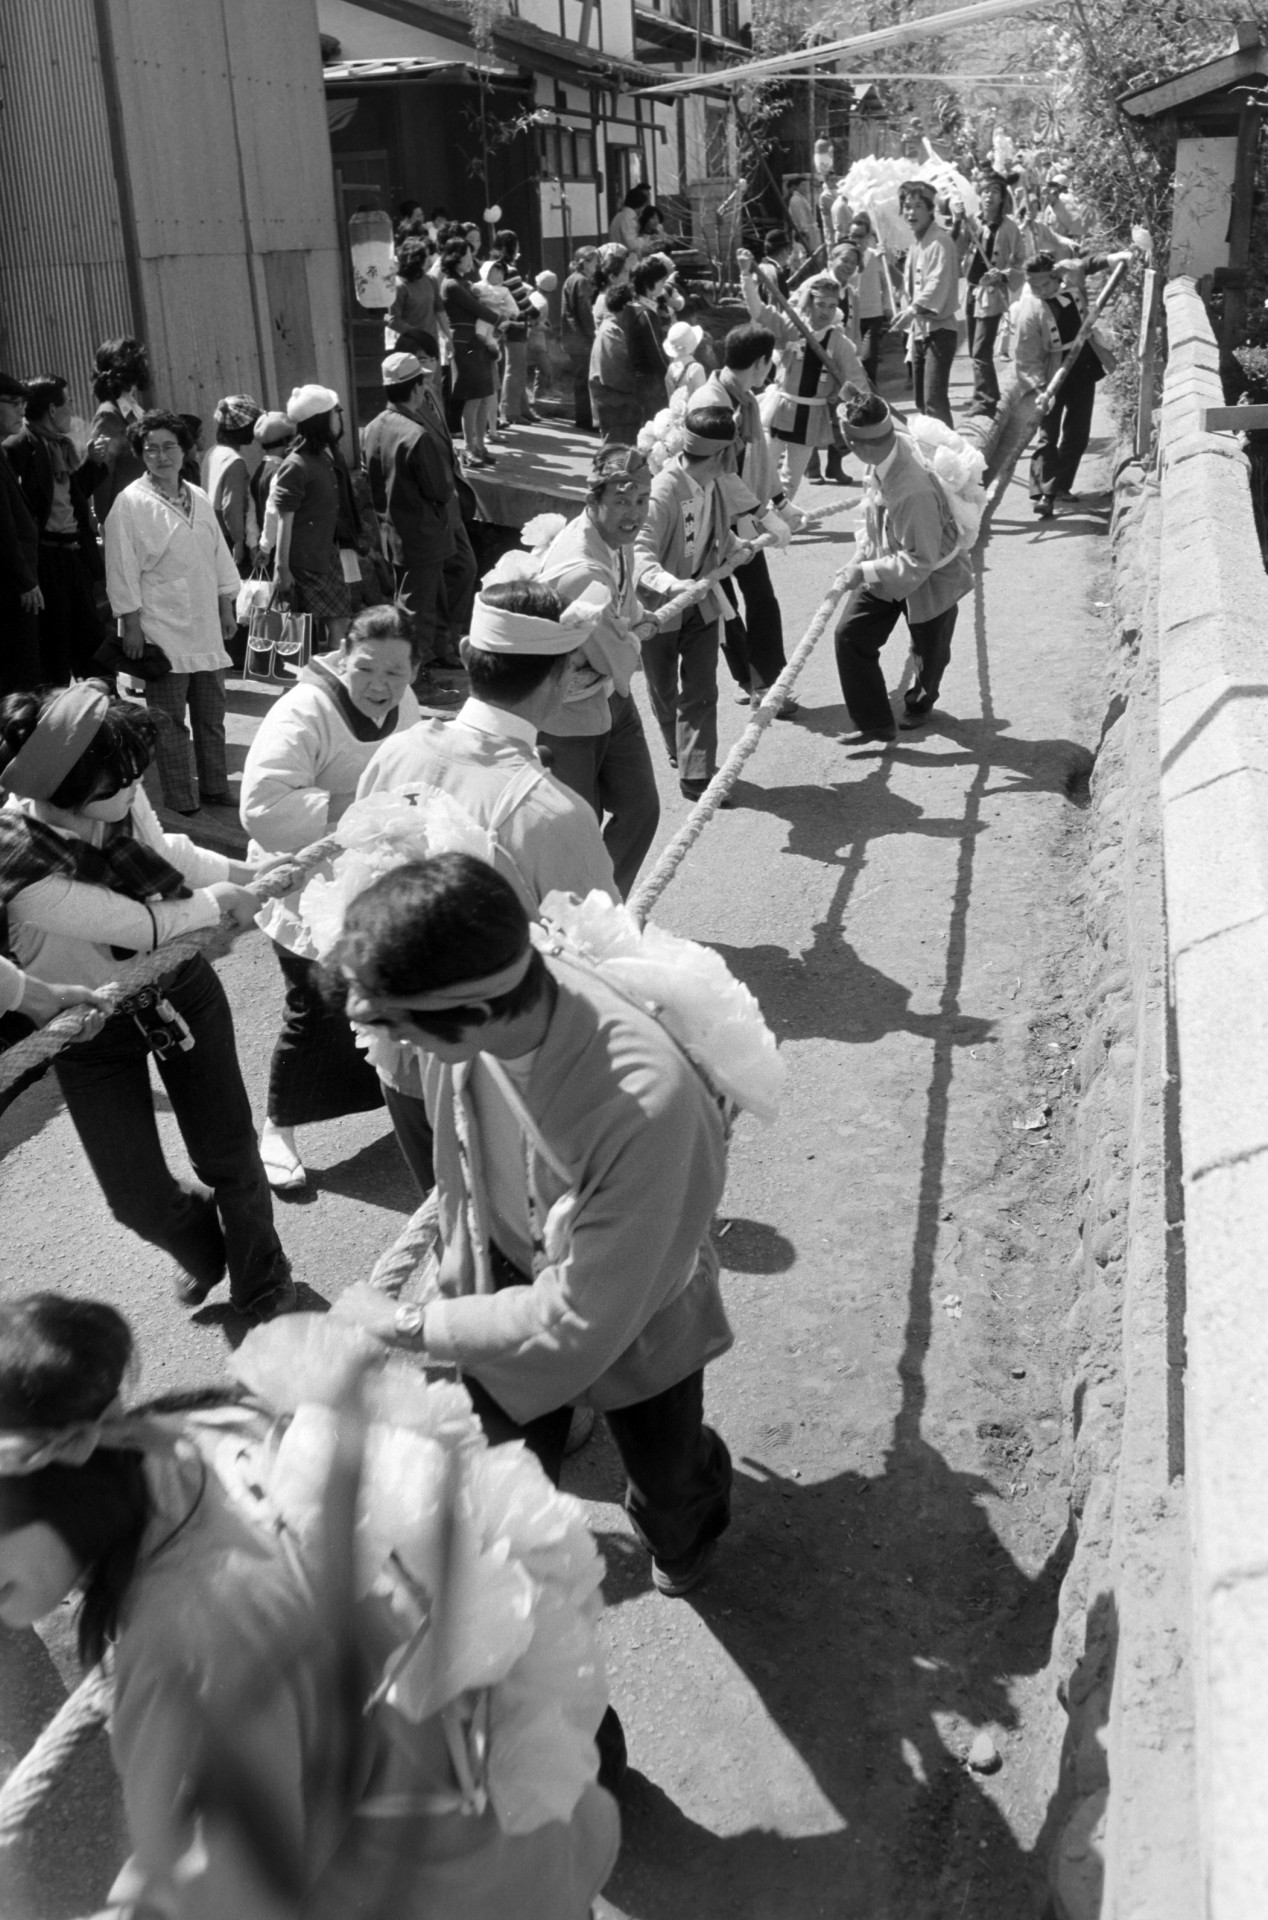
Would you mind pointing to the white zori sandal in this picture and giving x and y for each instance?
(283, 1168)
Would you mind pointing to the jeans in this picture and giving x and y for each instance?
(318, 1071)
(1064, 432)
(612, 772)
(755, 647)
(983, 330)
(19, 644)
(515, 383)
(70, 628)
(167, 699)
(932, 357)
(106, 1085)
(582, 411)
(682, 681)
(871, 333)
(865, 626)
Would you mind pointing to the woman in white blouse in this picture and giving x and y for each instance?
(301, 774)
(88, 877)
(172, 582)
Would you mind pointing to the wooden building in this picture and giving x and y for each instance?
(165, 172)
(1216, 115)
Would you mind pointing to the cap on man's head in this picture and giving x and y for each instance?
(402, 369)
(917, 190)
(273, 427)
(308, 401)
(11, 388)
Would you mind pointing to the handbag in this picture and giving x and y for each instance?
(293, 649)
(255, 591)
(264, 630)
(152, 665)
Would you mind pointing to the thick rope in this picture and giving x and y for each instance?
(37, 1772)
(728, 773)
(24, 1062)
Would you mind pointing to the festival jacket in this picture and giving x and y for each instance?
(579, 557)
(910, 531)
(931, 282)
(841, 355)
(625, 1163)
(1037, 347)
(661, 545)
(1005, 255)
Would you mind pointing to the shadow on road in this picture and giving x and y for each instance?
(864, 1611)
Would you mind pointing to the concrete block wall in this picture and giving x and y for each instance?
(1213, 743)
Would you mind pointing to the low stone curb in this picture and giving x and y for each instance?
(1213, 743)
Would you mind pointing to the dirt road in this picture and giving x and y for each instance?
(893, 1254)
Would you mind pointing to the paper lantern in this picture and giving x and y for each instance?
(493, 214)
(373, 262)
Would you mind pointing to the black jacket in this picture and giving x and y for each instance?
(32, 462)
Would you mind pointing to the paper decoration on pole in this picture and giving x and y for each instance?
(492, 214)
(373, 262)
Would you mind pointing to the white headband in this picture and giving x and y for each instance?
(496, 630)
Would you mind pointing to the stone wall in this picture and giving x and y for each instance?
(1121, 1833)
(1213, 739)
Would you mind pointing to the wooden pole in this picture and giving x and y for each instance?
(1147, 353)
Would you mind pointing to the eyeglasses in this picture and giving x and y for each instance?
(160, 449)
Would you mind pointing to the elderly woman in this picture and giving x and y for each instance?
(88, 875)
(306, 497)
(810, 383)
(614, 390)
(172, 583)
(301, 774)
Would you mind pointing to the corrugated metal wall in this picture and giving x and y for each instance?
(224, 120)
(63, 277)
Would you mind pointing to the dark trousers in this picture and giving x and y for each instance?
(582, 411)
(682, 682)
(318, 1071)
(106, 1085)
(70, 630)
(865, 626)
(871, 333)
(19, 645)
(754, 647)
(931, 365)
(677, 1470)
(414, 1136)
(435, 596)
(1064, 432)
(617, 414)
(983, 331)
(612, 772)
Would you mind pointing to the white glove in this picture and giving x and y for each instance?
(792, 516)
(777, 527)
